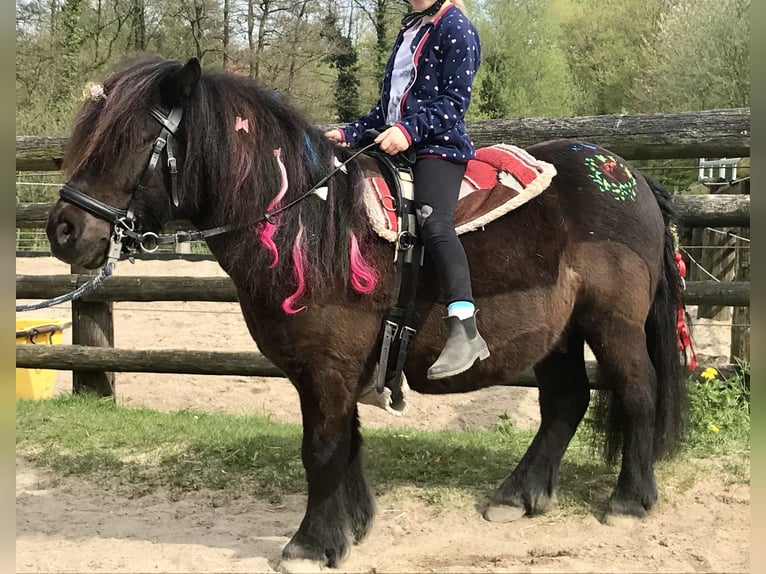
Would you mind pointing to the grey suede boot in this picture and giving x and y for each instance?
(464, 345)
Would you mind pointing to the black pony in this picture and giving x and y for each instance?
(589, 260)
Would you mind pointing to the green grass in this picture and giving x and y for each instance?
(136, 451)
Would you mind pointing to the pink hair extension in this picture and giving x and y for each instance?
(299, 266)
(267, 230)
(364, 278)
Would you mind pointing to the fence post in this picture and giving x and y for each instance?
(718, 260)
(740, 320)
(92, 325)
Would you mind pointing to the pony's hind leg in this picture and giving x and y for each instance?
(564, 396)
(629, 419)
(340, 505)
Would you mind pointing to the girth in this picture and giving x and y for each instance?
(400, 323)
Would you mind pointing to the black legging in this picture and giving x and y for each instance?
(437, 186)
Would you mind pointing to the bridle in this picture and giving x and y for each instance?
(124, 220)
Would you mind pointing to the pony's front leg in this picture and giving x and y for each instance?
(340, 506)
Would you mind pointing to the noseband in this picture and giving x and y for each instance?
(124, 220)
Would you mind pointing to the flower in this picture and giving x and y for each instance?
(709, 374)
(93, 91)
(713, 428)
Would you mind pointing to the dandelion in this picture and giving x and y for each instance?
(709, 374)
(713, 428)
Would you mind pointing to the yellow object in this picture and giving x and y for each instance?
(37, 383)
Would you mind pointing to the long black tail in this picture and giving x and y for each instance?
(662, 340)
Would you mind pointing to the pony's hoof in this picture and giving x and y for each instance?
(503, 513)
(300, 566)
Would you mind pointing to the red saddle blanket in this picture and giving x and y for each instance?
(500, 178)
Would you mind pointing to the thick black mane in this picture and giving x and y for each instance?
(231, 176)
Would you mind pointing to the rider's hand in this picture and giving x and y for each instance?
(392, 141)
(336, 136)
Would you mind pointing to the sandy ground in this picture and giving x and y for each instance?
(703, 529)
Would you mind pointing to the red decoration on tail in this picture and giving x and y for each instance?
(684, 337)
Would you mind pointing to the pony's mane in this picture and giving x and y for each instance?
(232, 176)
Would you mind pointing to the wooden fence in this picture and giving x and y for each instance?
(711, 133)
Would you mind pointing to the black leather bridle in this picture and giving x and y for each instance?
(124, 220)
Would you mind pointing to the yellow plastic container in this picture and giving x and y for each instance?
(37, 383)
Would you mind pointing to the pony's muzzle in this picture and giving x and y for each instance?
(76, 237)
(61, 229)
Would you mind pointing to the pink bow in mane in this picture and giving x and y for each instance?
(240, 124)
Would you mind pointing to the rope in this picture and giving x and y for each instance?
(729, 233)
(708, 273)
(90, 285)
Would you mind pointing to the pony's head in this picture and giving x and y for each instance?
(162, 140)
(122, 159)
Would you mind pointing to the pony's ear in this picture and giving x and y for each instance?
(178, 88)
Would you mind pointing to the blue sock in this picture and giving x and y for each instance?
(461, 309)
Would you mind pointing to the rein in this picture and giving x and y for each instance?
(268, 216)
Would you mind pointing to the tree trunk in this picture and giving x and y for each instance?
(225, 40)
(261, 43)
(138, 27)
(382, 47)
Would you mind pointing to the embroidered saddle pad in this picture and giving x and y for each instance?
(500, 178)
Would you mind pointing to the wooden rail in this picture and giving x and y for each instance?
(709, 133)
(190, 362)
(718, 210)
(221, 289)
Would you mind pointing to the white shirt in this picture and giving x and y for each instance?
(401, 75)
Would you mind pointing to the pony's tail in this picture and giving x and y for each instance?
(662, 340)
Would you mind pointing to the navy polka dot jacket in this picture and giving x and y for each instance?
(446, 53)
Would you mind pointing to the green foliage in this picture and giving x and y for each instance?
(523, 71)
(343, 58)
(719, 421)
(540, 57)
(700, 58)
(605, 46)
(675, 174)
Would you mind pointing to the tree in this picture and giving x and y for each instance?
(523, 72)
(607, 46)
(701, 59)
(138, 26)
(343, 58)
(379, 13)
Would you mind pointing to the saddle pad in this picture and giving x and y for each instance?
(500, 178)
